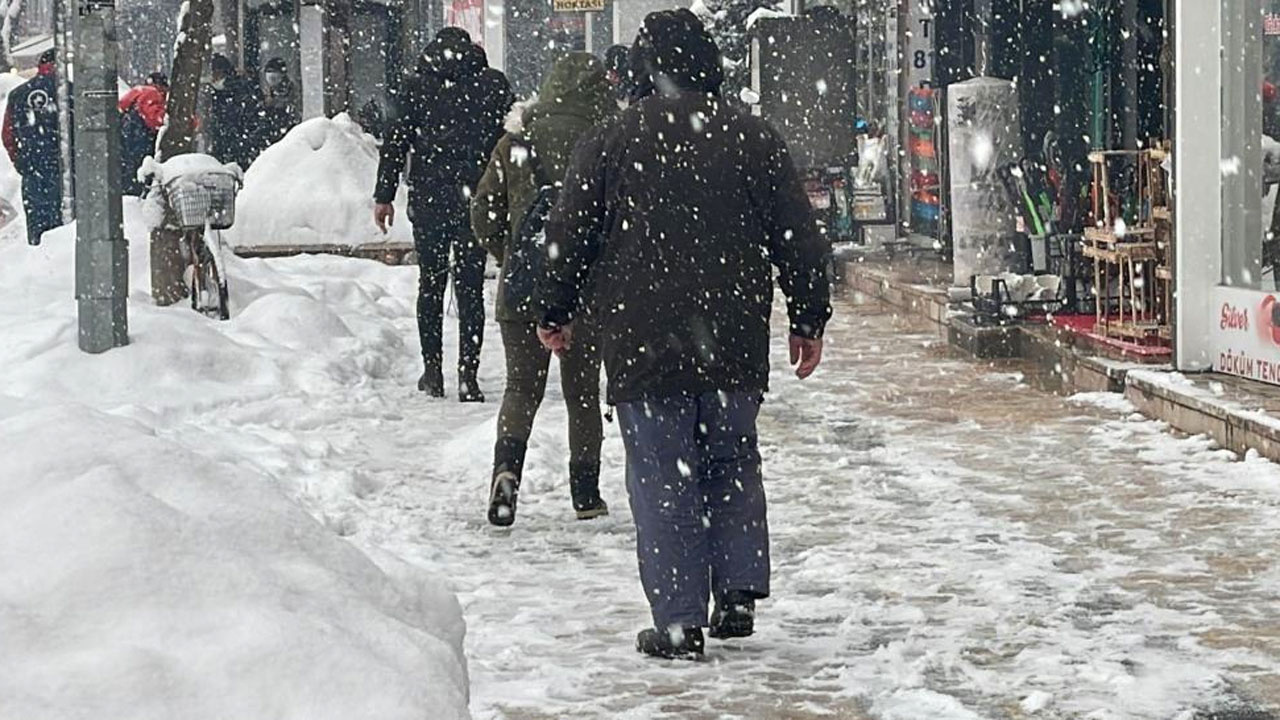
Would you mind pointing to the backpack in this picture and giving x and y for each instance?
(527, 263)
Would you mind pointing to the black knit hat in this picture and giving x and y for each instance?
(453, 33)
(222, 64)
(674, 47)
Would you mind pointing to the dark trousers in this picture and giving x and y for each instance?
(438, 233)
(527, 365)
(697, 494)
(42, 201)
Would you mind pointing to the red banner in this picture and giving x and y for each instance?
(468, 15)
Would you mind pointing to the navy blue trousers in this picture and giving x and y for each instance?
(42, 201)
(697, 494)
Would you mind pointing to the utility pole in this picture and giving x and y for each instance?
(102, 255)
(62, 45)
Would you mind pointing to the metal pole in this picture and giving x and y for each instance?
(102, 255)
(61, 42)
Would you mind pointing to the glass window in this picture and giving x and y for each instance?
(1243, 183)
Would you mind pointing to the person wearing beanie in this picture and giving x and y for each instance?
(669, 228)
(33, 139)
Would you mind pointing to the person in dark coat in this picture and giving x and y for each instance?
(279, 111)
(677, 214)
(33, 139)
(142, 114)
(617, 64)
(575, 97)
(234, 115)
(447, 118)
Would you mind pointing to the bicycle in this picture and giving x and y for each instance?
(198, 195)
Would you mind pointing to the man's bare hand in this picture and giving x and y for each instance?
(384, 216)
(557, 340)
(806, 355)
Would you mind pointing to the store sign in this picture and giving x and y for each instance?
(578, 5)
(1271, 25)
(1246, 334)
(468, 15)
(917, 57)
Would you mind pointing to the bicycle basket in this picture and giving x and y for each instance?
(207, 198)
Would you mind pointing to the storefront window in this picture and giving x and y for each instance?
(1243, 182)
(1270, 145)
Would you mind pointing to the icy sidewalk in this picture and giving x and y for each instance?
(948, 543)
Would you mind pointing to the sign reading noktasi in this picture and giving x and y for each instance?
(578, 5)
(1246, 334)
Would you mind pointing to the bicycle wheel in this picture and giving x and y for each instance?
(208, 289)
(212, 288)
(218, 280)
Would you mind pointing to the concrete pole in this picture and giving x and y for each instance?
(62, 39)
(102, 256)
(1197, 177)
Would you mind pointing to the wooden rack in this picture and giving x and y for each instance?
(1132, 276)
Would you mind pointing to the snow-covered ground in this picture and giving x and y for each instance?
(151, 565)
(948, 542)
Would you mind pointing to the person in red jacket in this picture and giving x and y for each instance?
(143, 114)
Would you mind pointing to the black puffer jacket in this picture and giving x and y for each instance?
(449, 114)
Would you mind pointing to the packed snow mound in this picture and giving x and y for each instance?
(278, 308)
(151, 568)
(139, 579)
(315, 188)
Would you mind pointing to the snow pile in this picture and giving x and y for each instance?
(139, 579)
(152, 565)
(314, 188)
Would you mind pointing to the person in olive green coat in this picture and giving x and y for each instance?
(575, 98)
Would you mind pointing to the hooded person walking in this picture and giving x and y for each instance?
(448, 117)
(527, 168)
(679, 211)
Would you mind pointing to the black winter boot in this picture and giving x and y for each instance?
(469, 389)
(584, 488)
(508, 464)
(675, 643)
(734, 616)
(432, 382)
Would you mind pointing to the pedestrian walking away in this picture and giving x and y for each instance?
(143, 111)
(515, 194)
(678, 210)
(444, 125)
(33, 139)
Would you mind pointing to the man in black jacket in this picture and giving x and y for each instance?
(235, 115)
(674, 215)
(449, 117)
(33, 138)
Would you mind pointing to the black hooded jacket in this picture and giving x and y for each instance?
(677, 214)
(449, 115)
